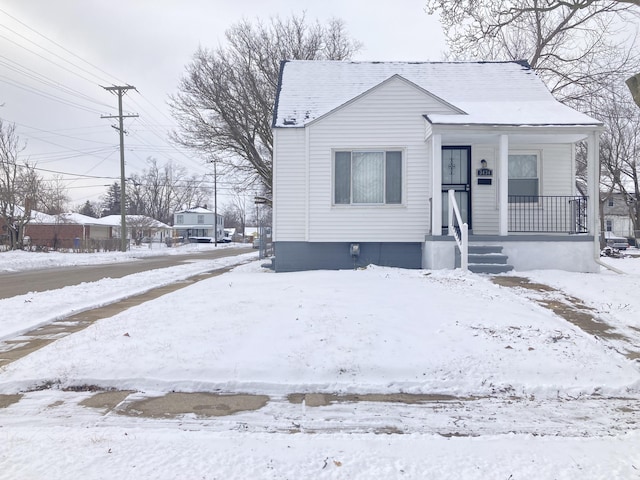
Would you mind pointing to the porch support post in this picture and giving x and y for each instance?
(593, 187)
(436, 185)
(503, 185)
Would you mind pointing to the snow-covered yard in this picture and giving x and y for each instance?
(510, 389)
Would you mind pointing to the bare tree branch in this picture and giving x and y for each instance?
(225, 99)
(575, 46)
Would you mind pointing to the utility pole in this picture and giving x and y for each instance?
(120, 91)
(215, 201)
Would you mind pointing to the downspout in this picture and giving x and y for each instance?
(608, 267)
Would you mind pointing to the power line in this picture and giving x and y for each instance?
(32, 74)
(47, 95)
(60, 46)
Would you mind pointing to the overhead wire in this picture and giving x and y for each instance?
(50, 96)
(156, 129)
(62, 47)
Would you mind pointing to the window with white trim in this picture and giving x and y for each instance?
(523, 177)
(200, 219)
(179, 219)
(609, 226)
(367, 177)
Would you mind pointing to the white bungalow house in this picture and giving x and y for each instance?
(365, 154)
(197, 224)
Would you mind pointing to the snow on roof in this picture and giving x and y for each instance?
(73, 217)
(115, 220)
(39, 217)
(497, 93)
(196, 210)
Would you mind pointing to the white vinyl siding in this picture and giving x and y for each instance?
(289, 185)
(554, 174)
(484, 198)
(388, 118)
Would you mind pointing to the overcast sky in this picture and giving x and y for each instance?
(56, 55)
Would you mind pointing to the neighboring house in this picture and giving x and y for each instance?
(138, 227)
(92, 228)
(71, 230)
(52, 231)
(198, 224)
(617, 218)
(365, 153)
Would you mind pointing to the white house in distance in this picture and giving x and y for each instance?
(138, 226)
(617, 216)
(197, 224)
(365, 154)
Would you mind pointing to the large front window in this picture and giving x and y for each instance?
(368, 177)
(523, 177)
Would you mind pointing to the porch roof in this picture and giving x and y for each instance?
(543, 113)
(490, 133)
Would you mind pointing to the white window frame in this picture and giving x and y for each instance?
(384, 151)
(200, 219)
(538, 155)
(180, 219)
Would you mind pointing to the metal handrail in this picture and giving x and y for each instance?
(549, 213)
(459, 232)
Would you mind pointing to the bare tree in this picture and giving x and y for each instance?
(160, 190)
(53, 197)
(19, 186)
(620, 149)
(235, 211)
(141, 226)
(576, 46)
(225, 100)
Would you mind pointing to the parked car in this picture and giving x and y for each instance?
(617, 242)
(256, 242)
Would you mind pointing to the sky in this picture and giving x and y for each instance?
(530, 394)
(55, 57)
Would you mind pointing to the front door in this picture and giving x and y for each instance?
(456, 175)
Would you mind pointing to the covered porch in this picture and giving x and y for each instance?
(514, 188)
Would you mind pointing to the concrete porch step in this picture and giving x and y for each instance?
(489, 268)
(486, 259)
(499, 258)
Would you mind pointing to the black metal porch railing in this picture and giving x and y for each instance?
(548, 214)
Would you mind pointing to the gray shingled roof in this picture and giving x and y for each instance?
(500, 93)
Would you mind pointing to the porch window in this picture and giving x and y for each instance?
(368, 177)
(523, 177)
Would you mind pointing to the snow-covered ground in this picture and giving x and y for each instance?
(525, 394)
